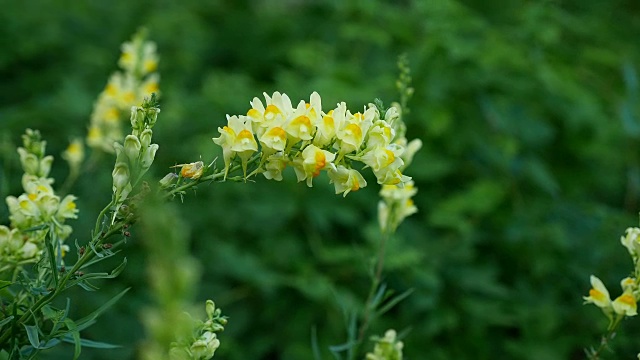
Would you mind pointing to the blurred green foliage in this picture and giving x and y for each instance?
(529, 115)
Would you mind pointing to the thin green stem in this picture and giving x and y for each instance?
(369, 306)
(606, 338)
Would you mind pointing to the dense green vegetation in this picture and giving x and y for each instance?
(530, 170)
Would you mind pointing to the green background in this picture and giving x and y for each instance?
(529, 112)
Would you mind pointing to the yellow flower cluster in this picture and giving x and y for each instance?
(38, 208)
(387, 348)
(312, 140)
(126, 88)
(627, 303)
(396, 205)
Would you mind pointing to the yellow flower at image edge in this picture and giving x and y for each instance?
(625, 304)
(598, 294)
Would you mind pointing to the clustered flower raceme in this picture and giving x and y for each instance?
(387, 347)
(137, 81)
(626, 303)
(396, 205)
(311, 140)
(203, 342)
(135, 156)
(33, 212)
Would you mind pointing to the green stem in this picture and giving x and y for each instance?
(369, 306)
(604, 341)
(88, 255)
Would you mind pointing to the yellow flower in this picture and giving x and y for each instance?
(274, 139)
(67, 208)
(237, 137)
(598, 294)
(192, 170)
(301, 125)
(380, 134)
(346, 180)
(311, 162)
(352, 131)
(630, 240)
(325, 130)
(274, 166)
(625, 304)
(74, 154)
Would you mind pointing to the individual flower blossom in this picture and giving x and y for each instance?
(74, 154)
(383, 159)
(380, 135)
(237, 138)
(598, 294)
(631, 241)
(628, 283)
(625, 304)
(34, 185)
(311, 162)
(325, 130)
(274, 138)
(352, 131)
(303, 120)
(346, 180)
(67, 208)
(277, 110)
(192, 170)
(274, 166)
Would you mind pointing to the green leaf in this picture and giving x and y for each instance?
(98, 259)
(4, 284)
(91, 317)
(52, 256)
(90, 343)
(315, 349)
(71, 325)
(89, 287)
(32, 334)
(6, 321)
(393, 302)
(36, 228)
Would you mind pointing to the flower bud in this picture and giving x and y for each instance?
(168, 180)
(145, 138)
(121, 155)
(152, 116)
(30, 163)
(48, 205)
(29, 250)
(120, 177)
(210, 307)
(132, 147)
(137, 117)
(148, 156)
(45, 166)
(192, 171)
